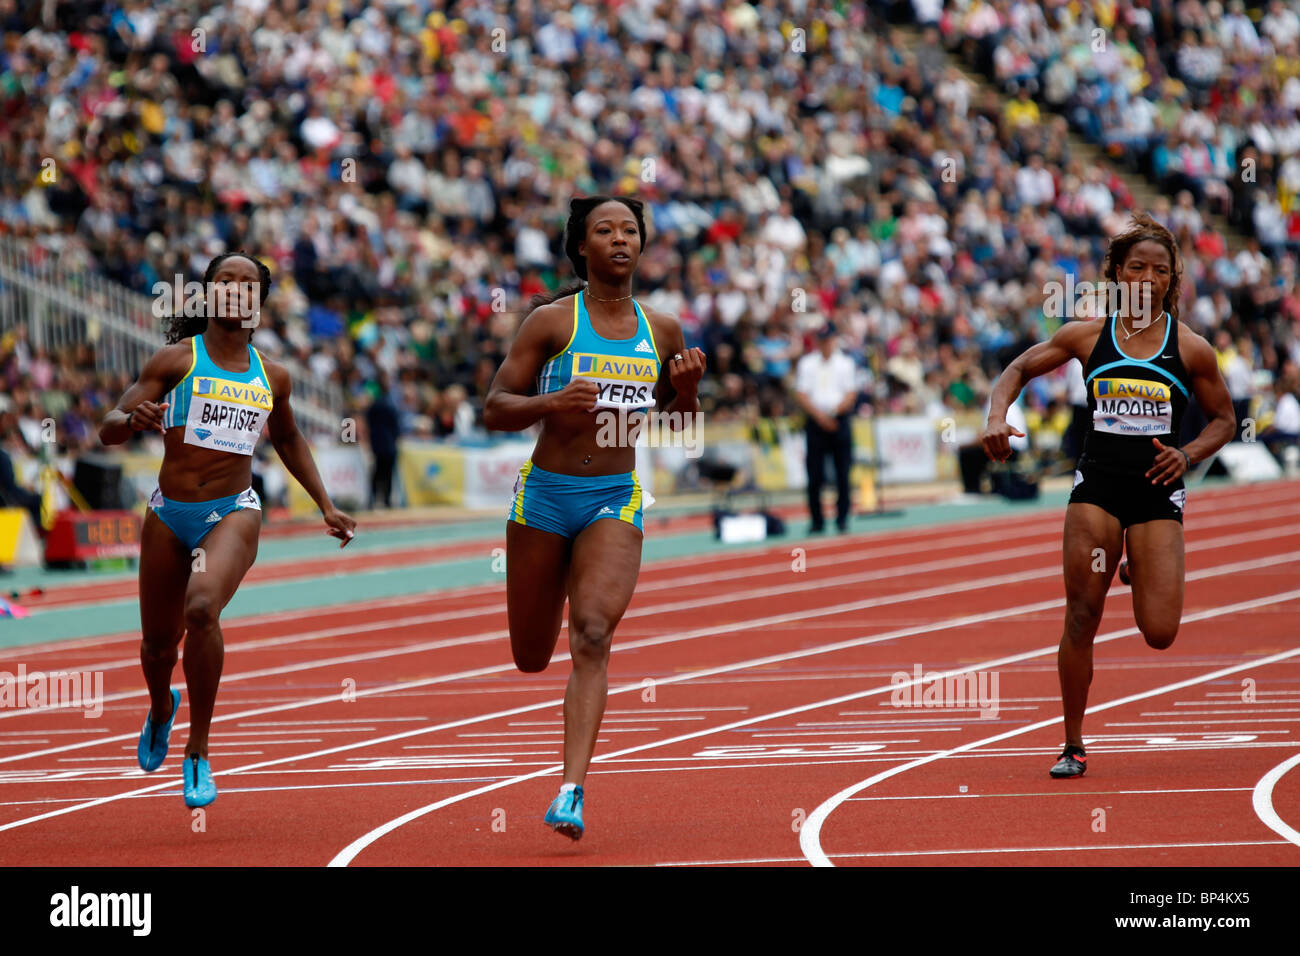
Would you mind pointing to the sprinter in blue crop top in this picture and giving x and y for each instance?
(585, 365)
(209, 393)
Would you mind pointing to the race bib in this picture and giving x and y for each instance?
(621, 382)
(226, 415)
(1128, 406)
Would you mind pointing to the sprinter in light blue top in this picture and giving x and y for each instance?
(584, 363)
(625, 371)
(218, 408)
(210, 394)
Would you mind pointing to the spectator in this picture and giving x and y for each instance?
(826, 388)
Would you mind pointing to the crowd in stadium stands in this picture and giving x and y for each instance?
(405, 172)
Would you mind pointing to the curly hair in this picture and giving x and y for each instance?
(183, 326)
(1142, 227)
(575, 230)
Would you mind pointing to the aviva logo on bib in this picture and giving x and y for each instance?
(1130, 388)
(255, 394)
(621, 381)
(1127, 406)
(615, 367)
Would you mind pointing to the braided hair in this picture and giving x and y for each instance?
(184, 326)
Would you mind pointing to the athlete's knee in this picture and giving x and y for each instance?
(1081, 622)
(159, 646)
(201, 613)
(590, 642)
(1161, 636)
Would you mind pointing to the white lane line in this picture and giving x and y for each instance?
(743, 625)
(815, 584)
(1026, 849)
(1045, 793)
(1262, 800)
(810, 834)
(967, 533)
(890, 635)
(918, 539)
(349, 853)
(842, 557)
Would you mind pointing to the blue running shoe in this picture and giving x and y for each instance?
(200, 789)
(565, 814)
(152, 749)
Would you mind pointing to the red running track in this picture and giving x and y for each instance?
(749, 689)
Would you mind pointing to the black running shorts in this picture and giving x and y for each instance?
(1132, 499)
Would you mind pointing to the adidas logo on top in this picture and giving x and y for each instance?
(258, 382)
(212, 517)
(644, 346)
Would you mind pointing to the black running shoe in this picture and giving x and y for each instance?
(1123, 573)
(1073, 763)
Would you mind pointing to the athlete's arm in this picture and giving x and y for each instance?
(1066, 344)
(510, 406)
(678, 379)
(1216, 403)
(294, 451)
(164, 369)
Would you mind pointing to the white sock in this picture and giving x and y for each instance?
(566, 787)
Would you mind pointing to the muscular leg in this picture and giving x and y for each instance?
(606, 561)
(164, 574)
(537, 574)
(1155, 565)
(228, 552)
(1087, 528)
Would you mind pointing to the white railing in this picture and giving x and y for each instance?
(69, 305)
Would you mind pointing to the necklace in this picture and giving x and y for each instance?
(587, 293)
(1128, 335)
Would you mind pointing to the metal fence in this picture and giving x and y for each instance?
(64, 304)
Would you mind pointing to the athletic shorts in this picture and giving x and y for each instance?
(566, 504)
(1132, 499)
(192, 520)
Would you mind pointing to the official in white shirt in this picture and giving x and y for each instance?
(826, 386)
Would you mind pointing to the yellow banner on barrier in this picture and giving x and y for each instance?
(19, 545)
(432, 474)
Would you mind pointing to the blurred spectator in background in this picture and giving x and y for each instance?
(12, 495)
(827, 390)
(382, 424)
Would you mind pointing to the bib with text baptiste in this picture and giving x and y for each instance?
(625, 371)
(219, 409)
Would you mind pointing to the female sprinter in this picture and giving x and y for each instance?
(594, 349)
(1128, 490)
(209, 393)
